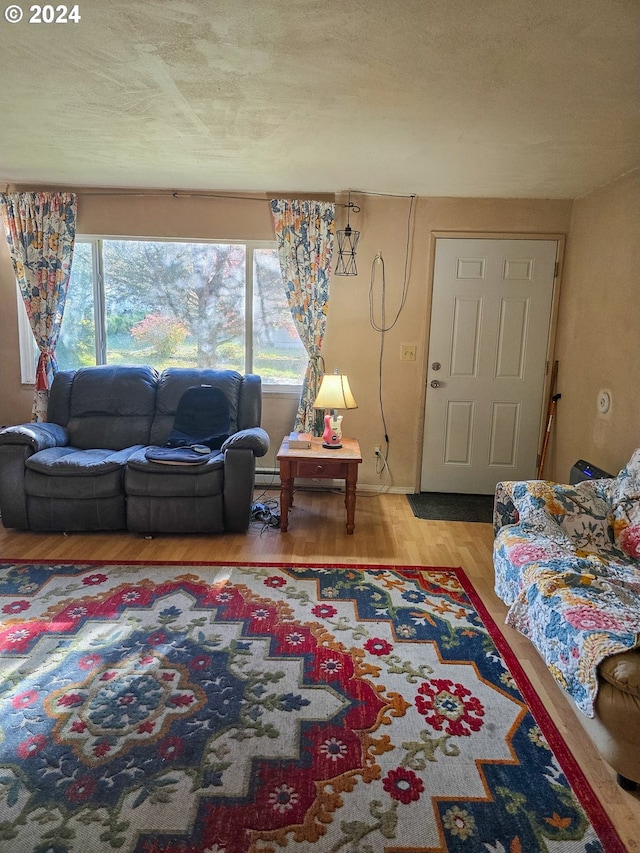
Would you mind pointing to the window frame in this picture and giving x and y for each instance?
(27, 345)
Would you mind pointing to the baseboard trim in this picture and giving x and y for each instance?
(271, 477)
(384, 490)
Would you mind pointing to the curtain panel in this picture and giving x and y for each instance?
(305, 234)
(40, 228)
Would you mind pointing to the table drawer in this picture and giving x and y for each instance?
(309, 468)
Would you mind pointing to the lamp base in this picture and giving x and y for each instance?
(332, 435)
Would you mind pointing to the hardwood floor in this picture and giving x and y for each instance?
(386, 532)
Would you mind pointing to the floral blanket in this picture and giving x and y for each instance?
(566, 562)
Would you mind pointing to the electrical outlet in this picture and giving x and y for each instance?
(408, 352)
(377, 451)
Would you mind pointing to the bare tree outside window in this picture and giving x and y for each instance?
(194, 286)
(182, 304)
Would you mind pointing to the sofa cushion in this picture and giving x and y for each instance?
(576, 614)
(188, 515)
(174, 382)
(626, 486)
(73, 462)
(581, 511)
(81, 512)
(195, 455)
(577, 600)
(624, 495)
(112, 407)
(558, 499)
(202, 417)
(143, 477)
(68, 472)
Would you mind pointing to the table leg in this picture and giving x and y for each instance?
(350, 498)
(286, 496)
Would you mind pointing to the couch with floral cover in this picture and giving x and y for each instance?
(567, 564)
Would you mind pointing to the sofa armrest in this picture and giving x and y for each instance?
(17, 444)
(255, 439)
(239, 480)
(504, 510)
(37, 436)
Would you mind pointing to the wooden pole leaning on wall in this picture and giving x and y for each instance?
(551, 411)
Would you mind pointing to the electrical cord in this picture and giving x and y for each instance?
(382, 466)
(266, 513)
(381, 327)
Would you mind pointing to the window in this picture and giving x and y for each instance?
(180, 304)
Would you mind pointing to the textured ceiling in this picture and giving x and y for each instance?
(511, 98)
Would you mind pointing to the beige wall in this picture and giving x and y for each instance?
(598, 339)
(351, 344)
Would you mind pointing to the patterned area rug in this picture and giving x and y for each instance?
(251, 708)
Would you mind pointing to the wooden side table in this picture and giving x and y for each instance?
(319, 463)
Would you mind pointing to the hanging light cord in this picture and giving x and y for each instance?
(381, 327)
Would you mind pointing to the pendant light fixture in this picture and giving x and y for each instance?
(347, 244)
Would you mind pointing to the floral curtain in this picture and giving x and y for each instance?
(305, 232)
(40, 229)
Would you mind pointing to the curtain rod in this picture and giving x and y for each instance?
(181, 194)
(172, 193)
(178, 194)
(354, 207)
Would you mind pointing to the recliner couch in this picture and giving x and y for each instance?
(567, 564)
(86, 468)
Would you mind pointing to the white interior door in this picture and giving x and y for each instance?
(490, 321)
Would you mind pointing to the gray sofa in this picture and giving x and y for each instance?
(86, 468)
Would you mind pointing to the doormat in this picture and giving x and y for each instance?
(251, 708)
(447, 506)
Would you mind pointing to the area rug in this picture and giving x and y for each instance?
(209, 708)
(447, 506)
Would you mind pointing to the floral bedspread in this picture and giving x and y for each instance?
(560, 566)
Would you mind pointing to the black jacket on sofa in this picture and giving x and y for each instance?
(86, 468)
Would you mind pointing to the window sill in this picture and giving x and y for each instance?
(282, 390)
(271, 390)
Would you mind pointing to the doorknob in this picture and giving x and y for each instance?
(435, 384)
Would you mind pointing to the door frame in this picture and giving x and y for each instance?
(560, 239)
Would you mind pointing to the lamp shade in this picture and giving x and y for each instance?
(335, 393)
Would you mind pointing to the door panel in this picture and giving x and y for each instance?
(503, 440)
(490, 321)
(512, 338)
(459, 429)
(465, 342)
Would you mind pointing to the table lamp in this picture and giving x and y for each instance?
(334, 394)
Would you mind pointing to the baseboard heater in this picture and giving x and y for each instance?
(267, 476)
(271, 477)
(586, 471)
